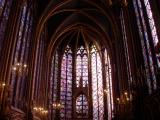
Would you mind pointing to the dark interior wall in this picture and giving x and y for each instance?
(158, 5)
(151, 107)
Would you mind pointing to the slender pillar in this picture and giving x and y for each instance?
(7, 52)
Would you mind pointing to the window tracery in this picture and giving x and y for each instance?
(82, 67)
(72, 94)
(97, 85)
(66, 84)
(82, 106)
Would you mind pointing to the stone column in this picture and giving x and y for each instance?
(8, 48)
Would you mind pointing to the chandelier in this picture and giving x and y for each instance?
(20, 69)
(40, 110)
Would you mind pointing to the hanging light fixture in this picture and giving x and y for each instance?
(20, 68)
(57, 106)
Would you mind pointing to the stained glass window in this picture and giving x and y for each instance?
(17, 58)
(53, 82)
(70, 97)
(97, 85)
(18, 77)
(2, 4)
(152, 25)
(66, 84)
(5, 6)
(82, 67)
(146, 48)
(82, 106)
(151, 22)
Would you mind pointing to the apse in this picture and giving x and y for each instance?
(81, 80)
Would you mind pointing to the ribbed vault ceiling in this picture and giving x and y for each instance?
(67, 18)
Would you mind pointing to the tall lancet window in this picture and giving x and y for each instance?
(82, 92)
(97, 85)
(66, 84)
(152, 26)
(5, 6)
(146, 42)
(21, 56)
(82, 67)
(53, 82)
(151, 22)
(18, 65)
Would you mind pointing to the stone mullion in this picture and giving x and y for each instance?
(66, 85)
(45, 81)
(51, 69)
(104, 84)
(51, 84)
(90, 101)
(74, 82)
(110, 83)
(60, 57)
